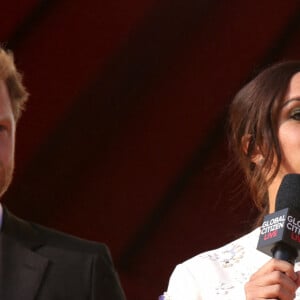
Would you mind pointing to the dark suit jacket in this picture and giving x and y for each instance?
(37, 263)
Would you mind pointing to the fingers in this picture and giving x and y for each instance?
(297, 281)
(274, 280)
(274, 285)
(276, 265)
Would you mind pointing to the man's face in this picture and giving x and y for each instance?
(7, 139)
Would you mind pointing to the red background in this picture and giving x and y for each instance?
(123, 139)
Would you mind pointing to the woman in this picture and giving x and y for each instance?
(264, 123)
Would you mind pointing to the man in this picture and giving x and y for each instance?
(36, 262)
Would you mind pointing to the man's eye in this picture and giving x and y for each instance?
(3, 129)
(295, 115)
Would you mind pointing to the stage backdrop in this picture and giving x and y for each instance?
(123, 140)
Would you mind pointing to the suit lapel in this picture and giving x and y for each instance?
(21, 269)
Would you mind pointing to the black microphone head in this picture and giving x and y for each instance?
(280, 231)
(288, 195)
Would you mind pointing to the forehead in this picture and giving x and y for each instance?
(293, 90)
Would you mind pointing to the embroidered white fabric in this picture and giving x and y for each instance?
(219, 274)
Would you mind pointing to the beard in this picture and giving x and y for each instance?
(6, 174)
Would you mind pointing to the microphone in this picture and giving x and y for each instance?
(280, 232)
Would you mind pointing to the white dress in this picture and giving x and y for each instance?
(219, 274)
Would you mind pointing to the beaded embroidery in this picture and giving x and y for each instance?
(228, 256)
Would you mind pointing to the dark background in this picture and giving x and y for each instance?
(123, 139)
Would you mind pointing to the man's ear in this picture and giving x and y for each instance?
(251, 150)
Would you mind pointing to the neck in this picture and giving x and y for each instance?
(272, 191)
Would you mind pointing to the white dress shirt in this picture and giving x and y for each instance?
(1, 216)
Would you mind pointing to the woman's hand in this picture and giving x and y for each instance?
(274, 280)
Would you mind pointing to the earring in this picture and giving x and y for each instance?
(261, 162)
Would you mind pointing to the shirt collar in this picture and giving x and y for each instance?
(1, 216)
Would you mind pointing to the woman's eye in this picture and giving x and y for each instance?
(295, 115)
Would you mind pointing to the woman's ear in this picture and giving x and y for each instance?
(251, 150)
(258, 159)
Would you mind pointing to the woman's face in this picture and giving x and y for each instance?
(289, 128)
(288, 136)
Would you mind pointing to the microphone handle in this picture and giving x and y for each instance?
(284, 252)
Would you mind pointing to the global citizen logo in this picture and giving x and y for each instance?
(293, 225)
(269, 228)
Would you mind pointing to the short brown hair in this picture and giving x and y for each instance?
(13, 80)
(254, 114)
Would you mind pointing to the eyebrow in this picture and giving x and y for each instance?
(289, 101)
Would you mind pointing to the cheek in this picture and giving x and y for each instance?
(289, 139)
(7, 149)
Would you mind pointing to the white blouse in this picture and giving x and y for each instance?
(219, 274)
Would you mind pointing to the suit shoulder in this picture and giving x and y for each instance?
(30, 233)
(61, 239)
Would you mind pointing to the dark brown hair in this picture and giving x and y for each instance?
(13, 80)
(253, 121)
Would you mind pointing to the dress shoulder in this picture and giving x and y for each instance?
(219, 272)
